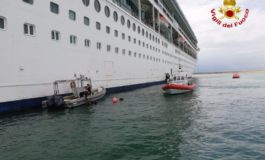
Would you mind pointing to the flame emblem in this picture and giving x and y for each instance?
(229, 9)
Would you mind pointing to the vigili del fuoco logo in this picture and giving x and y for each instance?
(229, 15)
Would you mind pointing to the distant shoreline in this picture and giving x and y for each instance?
(225, 72)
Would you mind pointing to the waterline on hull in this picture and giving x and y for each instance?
(36, 103)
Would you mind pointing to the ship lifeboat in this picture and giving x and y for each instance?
(175, 88)
(236, 76)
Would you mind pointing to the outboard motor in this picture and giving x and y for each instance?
(55, 102)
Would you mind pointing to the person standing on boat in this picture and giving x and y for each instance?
(167, 79)
(87, 92)
(89, 89)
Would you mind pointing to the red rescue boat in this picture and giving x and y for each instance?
(178, 83)
(175, 88)
(236, 76)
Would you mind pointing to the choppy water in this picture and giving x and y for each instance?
(222, 119)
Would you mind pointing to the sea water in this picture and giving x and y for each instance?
(223, 119)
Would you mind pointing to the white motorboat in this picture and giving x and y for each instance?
(81, 94)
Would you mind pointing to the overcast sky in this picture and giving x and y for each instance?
(222, 49)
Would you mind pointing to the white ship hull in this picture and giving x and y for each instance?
(29, 64)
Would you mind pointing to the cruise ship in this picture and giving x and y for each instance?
(119, 44)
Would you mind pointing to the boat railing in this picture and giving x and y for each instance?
(77, 85)
(56, 85)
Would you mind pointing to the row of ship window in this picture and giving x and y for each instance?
(29, 29)
(123, 36)
(134, 54)
(54, 8)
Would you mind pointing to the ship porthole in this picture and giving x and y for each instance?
(97, 6)
(107, 11)
(86, 2)
(128, 24)
(115, 16)
(134, 27)
(122, 20)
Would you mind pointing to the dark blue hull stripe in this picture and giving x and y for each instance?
(132, 87)
(35, 103)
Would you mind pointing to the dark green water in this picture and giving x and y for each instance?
(222, 119)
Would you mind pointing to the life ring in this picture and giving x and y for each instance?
(72, 84)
